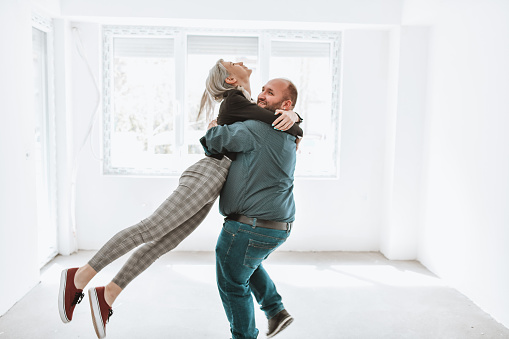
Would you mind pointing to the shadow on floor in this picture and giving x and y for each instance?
(330, 294)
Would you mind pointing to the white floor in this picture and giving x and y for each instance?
(330, 295)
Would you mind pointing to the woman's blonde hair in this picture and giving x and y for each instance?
(215, 88)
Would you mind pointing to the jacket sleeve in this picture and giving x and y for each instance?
(228, 138)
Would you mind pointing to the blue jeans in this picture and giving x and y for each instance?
(240, 251)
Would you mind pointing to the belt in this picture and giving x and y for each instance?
(275, 225)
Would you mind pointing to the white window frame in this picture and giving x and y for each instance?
(45, 25)
(179, 35)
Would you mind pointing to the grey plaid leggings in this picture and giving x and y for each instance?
(176, 218)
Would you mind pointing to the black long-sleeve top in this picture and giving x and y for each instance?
(236, 107)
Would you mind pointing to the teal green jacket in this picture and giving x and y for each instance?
(260, 181)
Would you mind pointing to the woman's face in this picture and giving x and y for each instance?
(238, 71)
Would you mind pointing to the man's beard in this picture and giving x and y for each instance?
(272, 107)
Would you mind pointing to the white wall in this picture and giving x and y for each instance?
(464, 233)
(51, 8)
(298, 11)
(64, 46)
(404, 147)
(107, 204)
(348, 210)
(18, 220)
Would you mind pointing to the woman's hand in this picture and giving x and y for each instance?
(286, 120)
(213, 123)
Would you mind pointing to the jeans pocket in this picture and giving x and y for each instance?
(257, 252)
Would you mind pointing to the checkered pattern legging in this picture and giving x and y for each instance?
(176, 218)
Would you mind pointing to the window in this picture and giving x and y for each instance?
(308, 65)
(142, 132)
(154, 78)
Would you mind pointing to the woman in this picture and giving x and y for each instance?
(180, 214)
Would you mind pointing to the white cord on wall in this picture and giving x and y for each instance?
(88, 135)
(79, 47)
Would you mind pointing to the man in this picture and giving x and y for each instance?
(257, 201)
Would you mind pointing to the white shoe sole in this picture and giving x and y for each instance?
(284, 324)
(95, 309)
(61, 297)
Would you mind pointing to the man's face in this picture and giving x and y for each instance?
(271, 96)
(238, 71)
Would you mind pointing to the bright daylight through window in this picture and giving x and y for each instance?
(154, 79)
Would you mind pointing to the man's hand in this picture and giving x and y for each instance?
(213, 123)
(285, 120)
(297, 141)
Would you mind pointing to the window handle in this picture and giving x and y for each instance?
(179, 123)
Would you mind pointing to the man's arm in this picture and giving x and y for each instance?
(286, 119)
(237, 108)
(228, 139)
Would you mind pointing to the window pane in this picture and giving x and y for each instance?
(203, 52)
(308, 66)
(143, 134)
